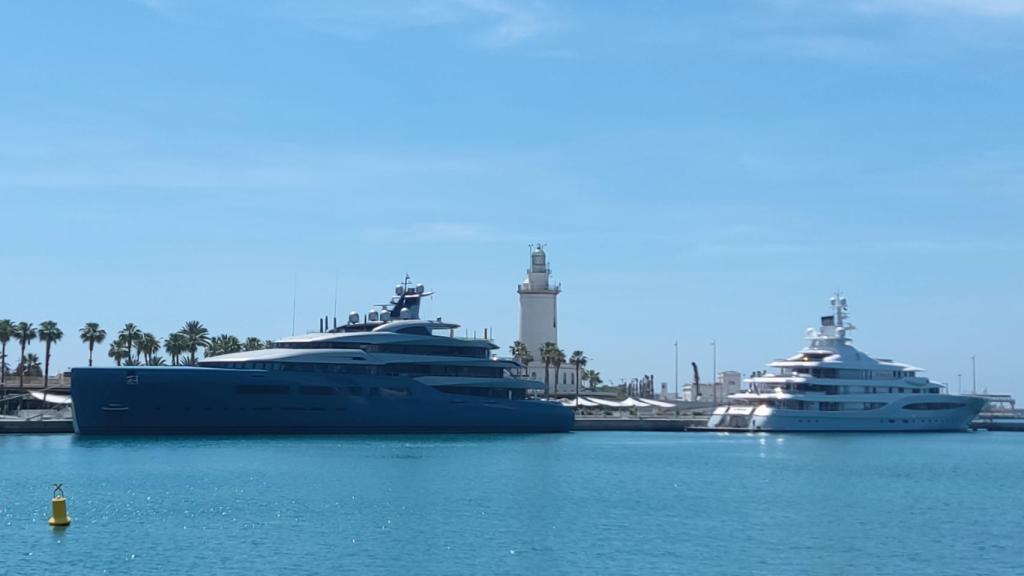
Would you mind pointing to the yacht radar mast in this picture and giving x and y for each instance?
(834, 327)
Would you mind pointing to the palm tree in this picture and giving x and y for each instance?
(578, 360)
(129, 334)
(147, 344)
(252, 343)
(176, 344)
(92, 335)
(198, 337)
(223, 344)
(547, 355)
(118, 350)
(521, 353)
(30, 365)
(593, 377)
(6, 332)
(558, 359)
(156, 360)
(24, 333)
(50, 334)
(268, 344)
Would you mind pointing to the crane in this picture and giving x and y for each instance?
(696, 382)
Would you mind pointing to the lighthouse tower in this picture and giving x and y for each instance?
(538, 309)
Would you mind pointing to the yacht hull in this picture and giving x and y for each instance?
(891, 418)
(187, 400)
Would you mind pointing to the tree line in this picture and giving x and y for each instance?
(552, 355)
(132, 346)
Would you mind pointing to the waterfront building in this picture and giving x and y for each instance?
(726, 383)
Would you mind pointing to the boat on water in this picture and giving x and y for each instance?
(832, 386)
(388, 371)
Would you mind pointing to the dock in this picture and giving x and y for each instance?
(999, 425)
(584, 424)
(36, 426)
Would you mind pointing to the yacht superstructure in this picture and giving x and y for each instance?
(832, 386)
(386, 372)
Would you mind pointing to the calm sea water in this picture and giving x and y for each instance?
(584, 503)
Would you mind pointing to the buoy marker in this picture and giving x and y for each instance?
(60, 516)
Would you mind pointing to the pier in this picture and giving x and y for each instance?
(999, 424)
(35, 426)
(585, 424)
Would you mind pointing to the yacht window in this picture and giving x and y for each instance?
(317, 390)
(484, 392)
(934, 406)
(387, 392)
(261, 389)
(414, 330)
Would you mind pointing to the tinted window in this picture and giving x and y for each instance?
(933, 406)
(317, 390)
(261, 389)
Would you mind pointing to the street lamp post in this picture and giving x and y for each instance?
(677, 369)
(714, 370)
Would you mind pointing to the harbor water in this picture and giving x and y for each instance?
(581, 503)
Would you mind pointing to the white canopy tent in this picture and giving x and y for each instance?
(657, 403)
(52, 397)
(603, 402)
(579, 402)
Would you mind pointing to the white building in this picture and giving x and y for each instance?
(728, 382)
(538, 323)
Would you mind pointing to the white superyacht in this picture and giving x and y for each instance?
(830, 386)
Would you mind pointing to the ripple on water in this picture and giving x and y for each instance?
(588, 503)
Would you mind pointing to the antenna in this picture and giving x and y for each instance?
(295, 299)
(974, 376)
(335, 292)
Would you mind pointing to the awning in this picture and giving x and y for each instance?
(579, 402)
(657, 403)
(603, 402)
(52, 397)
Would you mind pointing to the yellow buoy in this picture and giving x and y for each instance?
(60, 508)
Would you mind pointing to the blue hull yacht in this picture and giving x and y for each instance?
(387, 372)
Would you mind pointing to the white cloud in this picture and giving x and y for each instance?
(985, 8)
(513, 22)
(432, 231)
(496, 23)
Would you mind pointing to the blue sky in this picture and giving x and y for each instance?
(699, 170)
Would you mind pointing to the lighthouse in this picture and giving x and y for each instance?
(538, 307)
